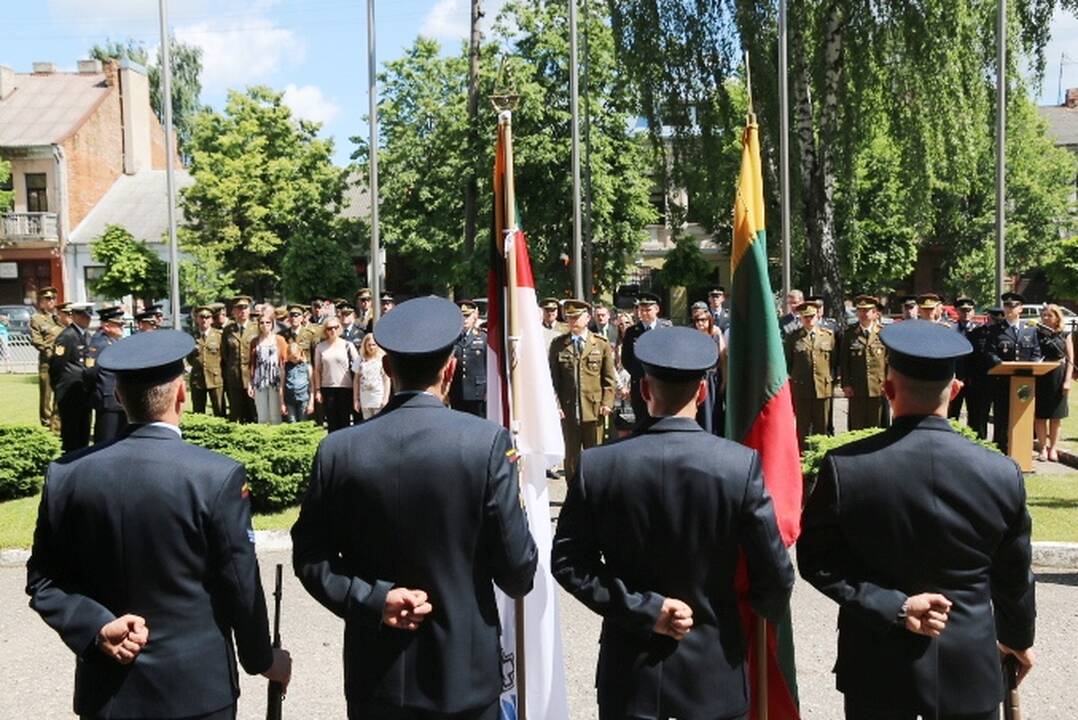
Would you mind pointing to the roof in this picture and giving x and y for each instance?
(47, 109)
(138, 203)
(1062, 123)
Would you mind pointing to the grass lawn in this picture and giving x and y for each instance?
(18, 399)
(1053, 503)
(1068, 435)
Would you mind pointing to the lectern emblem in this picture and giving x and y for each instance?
(1025, 392)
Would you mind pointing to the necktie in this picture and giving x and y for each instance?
(578, 344)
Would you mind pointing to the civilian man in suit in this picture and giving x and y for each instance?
(144, 558)
(647, 310)
(650, 538)
(109, 418)
(205, 360)
(409, 521)
(71, 381)
(1010, 341)
(603, 325)
(468, 393)
(922, 538)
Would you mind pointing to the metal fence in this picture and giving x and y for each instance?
(17, 355)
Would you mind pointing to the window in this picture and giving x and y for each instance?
(91, 273)
(37, 196)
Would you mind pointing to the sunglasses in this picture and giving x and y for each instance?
(265, 322)
(332, 327)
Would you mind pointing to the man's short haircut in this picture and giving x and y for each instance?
(673, 394)
(419, 371)
(797, 293)
(922, 393)
(143, 401)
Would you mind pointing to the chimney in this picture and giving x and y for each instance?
(7, 81)
(90, 67)
(1072, 99)
(112, 71)
(44, 68)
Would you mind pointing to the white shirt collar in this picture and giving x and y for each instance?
(170, 426)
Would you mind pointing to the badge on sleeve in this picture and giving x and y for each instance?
(59, 350)
(251, 535)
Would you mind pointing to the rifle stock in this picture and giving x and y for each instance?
(275, 692)
(1011, 708)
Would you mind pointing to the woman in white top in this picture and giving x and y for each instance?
(268, 355)
(332, 378)
(371, 382)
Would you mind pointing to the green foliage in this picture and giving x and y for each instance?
(320, 263)
(131, 268)
(277, 457)
(25, 454)
(186, 85)
(1062, 268)
(203, 278)
(6, 196)
(262, 178)
(685, 265)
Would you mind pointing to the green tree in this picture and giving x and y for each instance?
(321, 263)
(6, 196)
(186, 62)
(131, 268)
(204, 278)
(685, 265)
(262, 178)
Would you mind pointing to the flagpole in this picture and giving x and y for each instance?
(1001, 147)
(784, 150)
(372, 98)
(513, 336)
(574, 114)
(170, 178)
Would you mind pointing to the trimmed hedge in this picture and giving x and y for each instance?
(25, 454)
(277, 457)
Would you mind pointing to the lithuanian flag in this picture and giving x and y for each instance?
(759, 407)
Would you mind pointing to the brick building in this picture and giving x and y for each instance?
(71, 137)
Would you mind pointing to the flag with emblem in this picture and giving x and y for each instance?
(517, 351)
(759, 410)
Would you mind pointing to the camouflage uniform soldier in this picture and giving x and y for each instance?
(864, 367)
(236, 360)
(205, 360)
(582, 368)
(44, 329)
(812, 359)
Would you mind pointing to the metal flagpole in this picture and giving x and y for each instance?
(589, 243)
(170, 179)
(574, 112)
(372, 95)
(784, 150)
(1001, 145)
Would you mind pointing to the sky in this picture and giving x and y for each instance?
(313, 50)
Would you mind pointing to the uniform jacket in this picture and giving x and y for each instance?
(863, 363)
(470, 377)
(153, 526)
(918, 508)
(205, 360)
(979, 361)
(1008, 343)
(103, 381)
(43, 332)
(423, 497)
(964, 364)
(352, 333)
(666, 513)
(308, 338)
(236, 352)
(812, 360)
(67, 367)
(628, 348)
(584, 381)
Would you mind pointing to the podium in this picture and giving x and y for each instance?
(1021, 395)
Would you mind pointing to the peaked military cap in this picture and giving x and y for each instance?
(317, 299)
(204, 311)
(996, 312)
(83, 308)
(346, 309)
(387, 298)
(676, 353)
(647, 298)
(241, 301)
(280, 313)
(816, 300)
(296, 309)
(865, 302)
(924, 350)
(467, 307)
(363, 294)
(155, 309)
(909, 300)
(808, 309)
(421, 326)
(112, 313)
(147, 316)
(573, 307)
(549, 303)
(965, 303)
(928, 300)
(720, 290)
(216, 307)
(64, 307)
(150, 357)
(1012, 298)
(47, 293)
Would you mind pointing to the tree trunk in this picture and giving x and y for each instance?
(471, 190)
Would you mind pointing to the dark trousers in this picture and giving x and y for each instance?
(108, 425)
(216, 397)
(871, 709)
(74, 423)
(1001, 410)
(225, 713)
(640, 408)
(241, 406)
(337, 407)
(978, 403)
(954, 408)
(381, 711)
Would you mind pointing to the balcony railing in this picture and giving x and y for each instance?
(16, 226)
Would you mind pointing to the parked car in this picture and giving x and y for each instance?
(1032, 314)
(18, 318)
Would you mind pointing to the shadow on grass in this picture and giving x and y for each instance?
(1054, 503)
(1070, 579)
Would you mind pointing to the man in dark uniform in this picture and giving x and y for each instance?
(388, 303)
(716, 302)
(109, 418)
(909, 307)
(468, 393)
(236, 341)
(980, 394)
(647, 310)
(922, 538)
(863, 367)
(350, 329)
(207, 381)
(144, 558)
(44, 329)
(812, 361)
(654, 547)
(364, 313)
(584, 377)
(791, 321)
(409, 521)
(963, 365)
(1009, 341)
(145, 321)
(71, 382)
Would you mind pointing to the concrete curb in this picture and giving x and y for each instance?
(1068, 458)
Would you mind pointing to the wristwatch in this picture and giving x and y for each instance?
(903, 612)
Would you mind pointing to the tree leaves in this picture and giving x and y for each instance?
(131, 268)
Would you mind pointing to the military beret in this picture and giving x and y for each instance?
(241, 301)
(573, 307)
(204, 311)
(865, 302)
(924, 350)
(928, 300)
(964, 303)
(149, 357)
(808, 309)
(676, 353)
(647, 298)
(112, 313)
(549, 303)
(363, 294)
(419, 327)
(81, 308)
(47, 293)
(1012, 298)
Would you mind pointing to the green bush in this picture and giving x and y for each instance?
(25, 454)
(277, 457)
